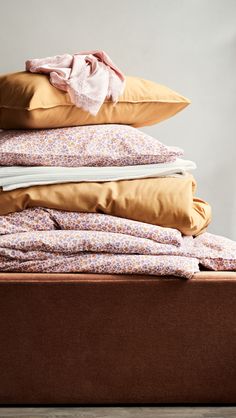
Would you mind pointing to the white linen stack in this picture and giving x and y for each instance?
(15, 177)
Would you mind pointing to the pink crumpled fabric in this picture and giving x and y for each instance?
(48, 240)
(42, 219)
(90, 77)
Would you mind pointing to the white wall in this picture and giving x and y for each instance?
(188, 45)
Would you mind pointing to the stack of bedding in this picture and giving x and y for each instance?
(84, 191)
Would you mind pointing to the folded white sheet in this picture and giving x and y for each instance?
(15, 177)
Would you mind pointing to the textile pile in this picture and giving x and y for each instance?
(83, 189)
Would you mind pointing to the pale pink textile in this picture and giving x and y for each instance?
(215, 252)
(90, 146)
(46, 240)
(90, 77)
(73, 242)
(106, 264)
(40, 219)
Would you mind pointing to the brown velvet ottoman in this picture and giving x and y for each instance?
(82, 338)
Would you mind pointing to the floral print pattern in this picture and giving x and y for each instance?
(107, 264)
(40, 219)
(46, 240)
(72, 242)
(215, 252)
(92, 145)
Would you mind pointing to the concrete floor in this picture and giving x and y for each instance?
(121, 412)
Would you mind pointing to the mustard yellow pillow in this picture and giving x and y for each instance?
(164, 201)
(30, 101)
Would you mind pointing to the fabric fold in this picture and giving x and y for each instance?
(108, 264)
(40, 219)
(15, 177)
(165, 201)
(89, 77)
(101, 243)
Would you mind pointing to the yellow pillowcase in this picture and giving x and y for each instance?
(30, 101)
(165, 201)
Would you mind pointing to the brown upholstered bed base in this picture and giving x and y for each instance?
(82, 338)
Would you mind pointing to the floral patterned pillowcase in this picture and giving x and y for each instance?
(92, 145)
